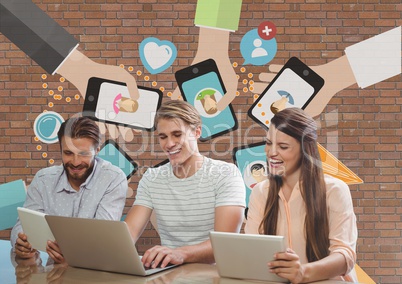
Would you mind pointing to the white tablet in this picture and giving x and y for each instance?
(245, 256)
(35, 226)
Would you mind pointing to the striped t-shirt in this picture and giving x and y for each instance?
(185, 208)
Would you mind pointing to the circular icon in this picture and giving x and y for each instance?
(46, 126)
(206, 102)
(255, 50)
(254, 173)
(267, 30)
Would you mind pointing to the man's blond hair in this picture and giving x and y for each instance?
(178, 109)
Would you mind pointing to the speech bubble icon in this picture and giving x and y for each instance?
(46, 126)
(255, 50)
(157, 55)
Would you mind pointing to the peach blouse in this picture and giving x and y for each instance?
(292, 213)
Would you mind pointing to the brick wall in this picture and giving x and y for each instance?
(361, 127)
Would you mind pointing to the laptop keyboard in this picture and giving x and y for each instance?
(159, 266)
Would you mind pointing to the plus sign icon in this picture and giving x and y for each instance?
(267, 30)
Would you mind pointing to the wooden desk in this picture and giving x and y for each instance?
(32, 273)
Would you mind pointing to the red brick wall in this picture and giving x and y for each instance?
(361, 127)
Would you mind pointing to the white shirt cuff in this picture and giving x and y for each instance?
(377, 58)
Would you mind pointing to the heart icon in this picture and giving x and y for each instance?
(157, 55)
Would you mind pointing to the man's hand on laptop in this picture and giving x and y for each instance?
(23, 248)
(160, 256)
(53, 250)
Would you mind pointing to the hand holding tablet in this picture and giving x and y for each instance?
(35, 227)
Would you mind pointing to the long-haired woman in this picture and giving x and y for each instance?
(313, 211)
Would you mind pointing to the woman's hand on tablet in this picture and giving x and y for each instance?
(287, 265)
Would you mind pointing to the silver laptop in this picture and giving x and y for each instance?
(98, 244)
(245, 256)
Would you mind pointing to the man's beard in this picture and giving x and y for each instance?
(78, 177)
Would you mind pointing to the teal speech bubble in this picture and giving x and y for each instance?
(46, 126)
(257, 51)
(157, 55)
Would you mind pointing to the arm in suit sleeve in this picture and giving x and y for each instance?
(35, 33)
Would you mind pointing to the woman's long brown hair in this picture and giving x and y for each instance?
(295, 123)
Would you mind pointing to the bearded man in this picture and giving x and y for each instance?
(84, 186)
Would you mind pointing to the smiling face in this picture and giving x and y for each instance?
(258, 174)
(78, 156)
(283, 154)
(179, 142)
